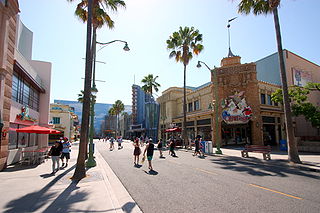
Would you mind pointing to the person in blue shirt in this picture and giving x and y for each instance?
(66, 145)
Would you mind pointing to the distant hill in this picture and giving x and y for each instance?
(100, 111)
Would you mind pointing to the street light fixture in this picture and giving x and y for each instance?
(91, 162)
(216, 105)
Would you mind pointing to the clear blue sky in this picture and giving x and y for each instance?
(59, 37)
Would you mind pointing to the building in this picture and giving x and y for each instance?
(124, 125)
(8, 26)
(246, 114)
(145, 114)
(109, 126)
(29, 91)
(65, 120)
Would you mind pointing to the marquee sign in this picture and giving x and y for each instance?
(235, 109)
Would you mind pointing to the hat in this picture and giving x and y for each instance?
(198, 136)
(61, 138)
(65, 138)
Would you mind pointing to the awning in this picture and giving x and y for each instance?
(38, 129)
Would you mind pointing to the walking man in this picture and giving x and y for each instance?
(66, 145)
(160, 146)
(149, 149)
(197, 146)
(171, 148)
(55, 153)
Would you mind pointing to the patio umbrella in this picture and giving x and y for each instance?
(38, 129)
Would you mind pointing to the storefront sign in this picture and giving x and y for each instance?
(24, 115)
(235, 109)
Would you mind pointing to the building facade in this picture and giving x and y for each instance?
(8, 25)
(65, 120)
(30, 96)
(246, 113)
(145, 114)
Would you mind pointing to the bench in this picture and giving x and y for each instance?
(265, 150)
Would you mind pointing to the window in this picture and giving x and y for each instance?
(21, 139)
(24, 93)
(269, 100)
(56, 120)
(190, 107)
(196, 105)
(263, 98)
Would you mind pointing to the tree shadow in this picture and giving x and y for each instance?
(32, 202)
(257, 167)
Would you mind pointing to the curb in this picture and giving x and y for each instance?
(122, 200)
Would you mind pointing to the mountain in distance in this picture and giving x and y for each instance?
(100, 110)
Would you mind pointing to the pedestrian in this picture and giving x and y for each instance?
(66, 145)
(142, 140)
(149, 149)
(136, 152)
(160, 146)
(55, 153)
(119, 142)
(171, 148)
(197, 146)
(111, 143)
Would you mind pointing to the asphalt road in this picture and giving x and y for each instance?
(213, 184)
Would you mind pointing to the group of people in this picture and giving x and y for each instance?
(60, 151)
(149, 150)
(112, 140)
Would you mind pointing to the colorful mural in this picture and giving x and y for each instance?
(235, 109)
(24, 115)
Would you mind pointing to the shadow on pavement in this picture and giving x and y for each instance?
(257, 167)
(18, 167)
(32, 202)
(151, 172)
(128, 207)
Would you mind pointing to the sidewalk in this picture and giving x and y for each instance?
(32, 189)
(310, 161)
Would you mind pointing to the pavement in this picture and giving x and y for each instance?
(26, 188)
(310, 161)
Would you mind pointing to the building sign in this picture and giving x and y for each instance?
(235, 109)
(300, 77)
(24, 115)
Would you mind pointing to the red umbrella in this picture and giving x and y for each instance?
(38, 129)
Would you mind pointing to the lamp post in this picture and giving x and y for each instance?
(216, 105)
(91, 162)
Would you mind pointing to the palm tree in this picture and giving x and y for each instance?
(117, 109)
(183, 44)
(265, 7)
(89, 7)
(80, 97)
(150, 84)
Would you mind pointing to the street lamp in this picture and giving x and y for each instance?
(91, 162)
(216, 105)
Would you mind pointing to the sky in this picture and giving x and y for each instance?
(59, 37)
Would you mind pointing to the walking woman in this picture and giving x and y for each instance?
(159, 146)
(171, 148)
(55, 153)
(136, 152)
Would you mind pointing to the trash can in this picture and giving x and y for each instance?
(209, 147)
(283, 145)
(203, 146)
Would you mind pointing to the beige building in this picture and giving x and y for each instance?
(65, 120)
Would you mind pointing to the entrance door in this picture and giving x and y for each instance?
(269, 134)
(236, 134)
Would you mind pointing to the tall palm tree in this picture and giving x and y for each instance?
(81, 94)
(183, 44)
(117, 109)
(265, 7)
(150, 84)
(92, 11)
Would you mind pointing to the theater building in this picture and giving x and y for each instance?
(246, 115)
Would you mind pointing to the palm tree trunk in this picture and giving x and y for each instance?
(293, 155)
(184, 130)
(80, 171)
